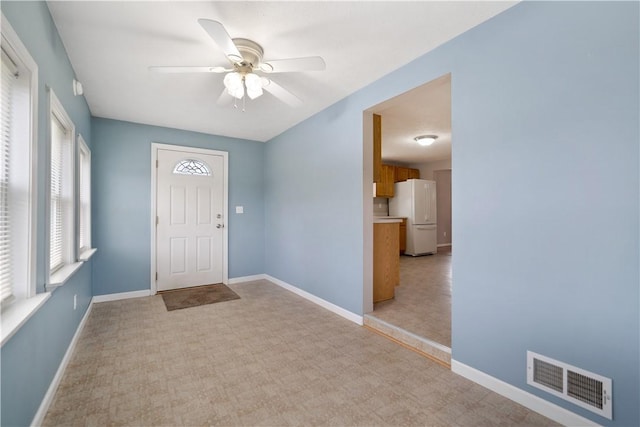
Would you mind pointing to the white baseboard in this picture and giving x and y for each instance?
(48, 397)
(531, 401)
(442, 245)
(121, 295)
(319, 301)
(246, 279)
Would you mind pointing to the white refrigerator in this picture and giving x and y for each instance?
(415, 199)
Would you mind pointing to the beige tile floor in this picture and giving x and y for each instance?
(269, 358)
(422, 303)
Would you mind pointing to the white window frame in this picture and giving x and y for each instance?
(85, 250)
(25, 301)
(59, 274)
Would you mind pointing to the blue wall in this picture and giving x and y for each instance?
(121, 159)
(545, 199)
(548, 261)
(545, 193)
(31, 357)
(313, 207)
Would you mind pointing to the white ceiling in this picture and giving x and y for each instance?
(111, 44)
(425, 110)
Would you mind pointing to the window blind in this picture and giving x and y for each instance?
(9, 73)
(56, 242)
(85, 199)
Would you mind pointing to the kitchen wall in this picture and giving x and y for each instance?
(380, 206)
(30, 359)
(122, 194)
(546, 238)
(427, 169)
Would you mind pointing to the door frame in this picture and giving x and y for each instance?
(154, 190)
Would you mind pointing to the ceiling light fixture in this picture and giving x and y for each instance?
(425, 140)
(236, 83)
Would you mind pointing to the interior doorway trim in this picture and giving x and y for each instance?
(225, 208)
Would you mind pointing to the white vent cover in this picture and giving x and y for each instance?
(583, 388)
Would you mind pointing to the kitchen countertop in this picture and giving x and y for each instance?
(387, 219)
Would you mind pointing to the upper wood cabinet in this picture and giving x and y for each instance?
(384, 187)
(403, 174)
(383, 175)
(377, 147)
(386, 175)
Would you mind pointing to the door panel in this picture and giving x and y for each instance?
(203, 257)
(178, 205)
(178, 254)
(204, 206)
(189, 243)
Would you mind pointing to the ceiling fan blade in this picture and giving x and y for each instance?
(162, 69)
(281, 93)
(219, 35)
(224, 99)
(311, 63)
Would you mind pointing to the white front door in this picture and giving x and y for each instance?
(190, 219)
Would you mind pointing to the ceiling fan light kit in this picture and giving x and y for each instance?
(254, 85)
(246, 58)
(425, 140)
(233, 83)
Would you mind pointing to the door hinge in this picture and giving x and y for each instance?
(156, 164)
(157, 220)
(156, 276)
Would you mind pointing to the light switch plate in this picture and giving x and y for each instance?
(239, 209)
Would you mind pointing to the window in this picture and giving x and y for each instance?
(17, 170)
(9, 74)
(61, 195)
(18, 180)
(84, 200)
(191, 167)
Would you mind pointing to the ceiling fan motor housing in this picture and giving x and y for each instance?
(251, 55)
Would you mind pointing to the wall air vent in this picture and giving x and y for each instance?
(583, 388)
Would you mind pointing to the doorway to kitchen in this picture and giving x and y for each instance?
(419, 313)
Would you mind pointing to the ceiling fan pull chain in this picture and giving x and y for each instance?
(243, 103)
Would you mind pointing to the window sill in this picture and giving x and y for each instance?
(61, 276)
(18, 312)
(86, 254)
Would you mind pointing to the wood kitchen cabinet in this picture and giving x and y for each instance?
(377, 147)
(403, 236)
(384, 187)
(403, 174)
(386, 262)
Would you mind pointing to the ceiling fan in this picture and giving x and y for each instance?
(246, 57)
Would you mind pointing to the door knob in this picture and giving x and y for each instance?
(219, 226)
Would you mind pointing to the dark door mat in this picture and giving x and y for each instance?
(199, 295)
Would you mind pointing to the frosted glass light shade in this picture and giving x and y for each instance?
(254, 85)
(233, 83)
(425, 140)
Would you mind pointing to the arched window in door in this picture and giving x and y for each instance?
(191, 167)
